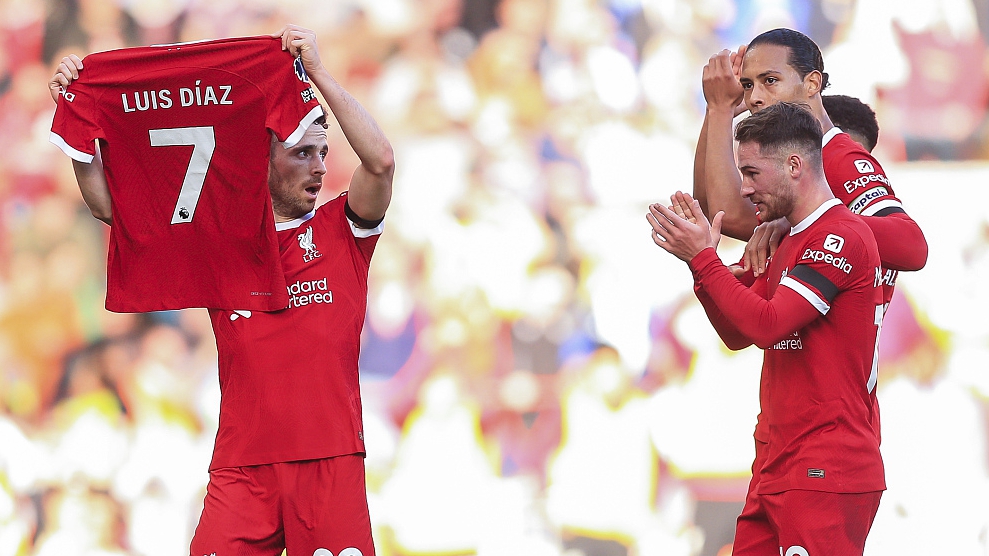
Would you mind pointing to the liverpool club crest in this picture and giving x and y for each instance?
(306, 243)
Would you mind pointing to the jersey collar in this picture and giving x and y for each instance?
(292, 224)
(806, 222)
(830, 135)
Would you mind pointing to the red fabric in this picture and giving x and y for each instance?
(818, 410)
(304, 506)
(860, 182)
(754, 535)
(855, 176)
(810, 523)
(902, 245)
(289, 379)
(148, 106)
(759, 320)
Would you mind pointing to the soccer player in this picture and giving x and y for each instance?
(816, 313)
(288, 468)
(786, 65)
(854, 117)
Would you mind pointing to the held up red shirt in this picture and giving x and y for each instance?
(184, 138)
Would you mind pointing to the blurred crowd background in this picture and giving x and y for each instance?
(537, 376)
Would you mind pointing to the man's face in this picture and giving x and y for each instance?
(768, 78)
(295, 175)
(765, 182)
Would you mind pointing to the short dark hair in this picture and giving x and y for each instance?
(853, 116)
(805, 56)
(322, 119)
(783, 127)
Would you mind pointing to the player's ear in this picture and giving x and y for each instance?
(794, 164)
(813, 83)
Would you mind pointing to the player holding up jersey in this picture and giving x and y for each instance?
(288, 468)
(816, 312)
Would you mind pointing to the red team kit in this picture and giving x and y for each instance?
(184, 140)
(184, 137)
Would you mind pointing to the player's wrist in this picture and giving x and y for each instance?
(721, 109)
(702, 258)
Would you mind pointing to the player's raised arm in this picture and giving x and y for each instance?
(371, 185)
(90, 177)
(721, 180)
(94, 188)
(700, 160)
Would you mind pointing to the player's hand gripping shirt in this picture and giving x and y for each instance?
(817, 314)
(289, 379)
(184, 139)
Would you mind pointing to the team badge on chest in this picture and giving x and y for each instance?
(309, 248)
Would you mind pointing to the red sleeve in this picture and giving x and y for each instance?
(291, 100)
(763, 321)
(857, 178)
(730, 335)
(901, 242)
(75, 128)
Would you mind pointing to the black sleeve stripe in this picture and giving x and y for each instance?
(888, 210)
(360, 222)
(813, 278)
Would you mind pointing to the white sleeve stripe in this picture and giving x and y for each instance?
(884, 204)
(822, 306)
(57, 140)
(304, 124)
(367, 232)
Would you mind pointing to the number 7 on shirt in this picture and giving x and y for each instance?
(203, 143)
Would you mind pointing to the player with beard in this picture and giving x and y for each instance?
(816, 311)
(786, 65)
(288, 462)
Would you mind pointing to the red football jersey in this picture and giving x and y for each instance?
(184, 139)
(288, 379)
(860, 182)
(855, 176)
(820, 415)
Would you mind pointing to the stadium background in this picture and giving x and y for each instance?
(537, 377)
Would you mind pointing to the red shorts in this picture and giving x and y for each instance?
(754, 536)
(802, 522)
(316, 507)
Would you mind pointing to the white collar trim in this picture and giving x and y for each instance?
(806, 222)
(830, 134)
(292, 224)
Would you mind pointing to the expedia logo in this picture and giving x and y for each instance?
(852, 185)
(834, 243)
(300, 71)
(841, 263)
(863, 200)
(68, 96)
(864, 167)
